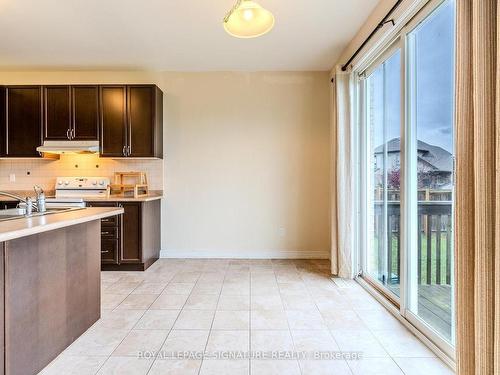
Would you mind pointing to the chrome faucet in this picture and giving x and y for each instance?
(15, 196)
(40, 198)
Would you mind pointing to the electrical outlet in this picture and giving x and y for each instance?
(12, 177)
(282, 231)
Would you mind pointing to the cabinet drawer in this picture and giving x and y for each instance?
(109, 251)
(111, 221)
(109, 232)
(101, 204)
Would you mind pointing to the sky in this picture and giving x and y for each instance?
(434, 67)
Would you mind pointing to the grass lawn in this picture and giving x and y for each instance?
(434, 250)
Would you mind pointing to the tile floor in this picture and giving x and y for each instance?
(234, 306)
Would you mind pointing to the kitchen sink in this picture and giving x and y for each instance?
(12, 212)
(20, 213)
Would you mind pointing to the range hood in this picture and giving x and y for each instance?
(69, 147)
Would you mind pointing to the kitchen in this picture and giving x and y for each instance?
(50, 121)
(166, 188)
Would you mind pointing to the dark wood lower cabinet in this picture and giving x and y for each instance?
(4, 205)
(130, 242)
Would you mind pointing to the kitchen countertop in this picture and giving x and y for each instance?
(22, 227)
(153, 195)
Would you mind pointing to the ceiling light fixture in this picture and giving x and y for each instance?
(247, 19)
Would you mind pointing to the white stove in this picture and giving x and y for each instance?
(71, 191)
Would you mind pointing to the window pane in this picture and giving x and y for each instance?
(431, 70)
(384, 118)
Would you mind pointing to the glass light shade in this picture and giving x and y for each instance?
(249, 20)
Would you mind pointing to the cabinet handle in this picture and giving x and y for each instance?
(124, 151)
(104, 233)
(104, 220)
(67, 134)
(129, 150)
(104, 252)
(72, 133)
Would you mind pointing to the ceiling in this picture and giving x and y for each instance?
(173, 35)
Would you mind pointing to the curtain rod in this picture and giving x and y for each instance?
(377, 28)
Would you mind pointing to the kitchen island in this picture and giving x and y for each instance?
(49, 285)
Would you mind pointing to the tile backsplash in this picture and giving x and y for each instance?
(43, 172)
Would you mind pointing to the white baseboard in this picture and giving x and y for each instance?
(238, 254)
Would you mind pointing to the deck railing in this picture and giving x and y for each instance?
(434, 243)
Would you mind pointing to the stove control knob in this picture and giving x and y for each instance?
(101, 182)
(59, 182)
(94, 182)
(66, 183)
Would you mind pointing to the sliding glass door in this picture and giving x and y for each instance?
(383, 98)
(430, 93)
(407, 171)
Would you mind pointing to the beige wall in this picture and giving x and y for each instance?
(246, 166)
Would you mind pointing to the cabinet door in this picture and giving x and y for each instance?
(85, 108)
(113, 117)
(57, 112)
(3, 128)
(131, 244)
(23, 120)
(141, 120)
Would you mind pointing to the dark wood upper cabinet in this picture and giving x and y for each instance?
(143, 124)
(3, 128)
(23, 120)
(57, 112)
(140, 109)
(71, 112)
(140, 102)
(113, 117)
(126, 119)
(85, 110)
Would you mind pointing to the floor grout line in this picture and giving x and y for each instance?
(287, 321)
(211, 325)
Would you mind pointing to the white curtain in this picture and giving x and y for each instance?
(343, 206)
